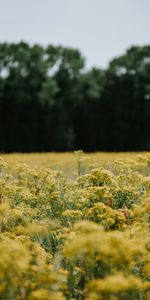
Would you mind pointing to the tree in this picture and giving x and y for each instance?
(49, 102)
(126, 97)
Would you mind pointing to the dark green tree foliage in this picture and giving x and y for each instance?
(127, 101)
(48, 102)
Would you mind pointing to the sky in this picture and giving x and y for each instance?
(100, 29)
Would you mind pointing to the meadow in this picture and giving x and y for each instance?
(75, 226)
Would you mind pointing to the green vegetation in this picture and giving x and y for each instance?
(50, 102)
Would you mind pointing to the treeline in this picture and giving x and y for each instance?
(49, 102)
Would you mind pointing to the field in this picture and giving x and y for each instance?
(75, 226)
(68, 161)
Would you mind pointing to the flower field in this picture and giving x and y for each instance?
(75, 226)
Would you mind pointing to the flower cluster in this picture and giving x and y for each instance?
(83, 235)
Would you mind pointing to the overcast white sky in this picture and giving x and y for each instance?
(101, 29)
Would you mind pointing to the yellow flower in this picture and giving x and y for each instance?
(42, 294)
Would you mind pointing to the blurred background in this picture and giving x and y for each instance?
(74, 74)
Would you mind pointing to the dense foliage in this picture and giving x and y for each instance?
(49, 102)
(82, 237)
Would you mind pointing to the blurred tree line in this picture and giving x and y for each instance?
(50, 102)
